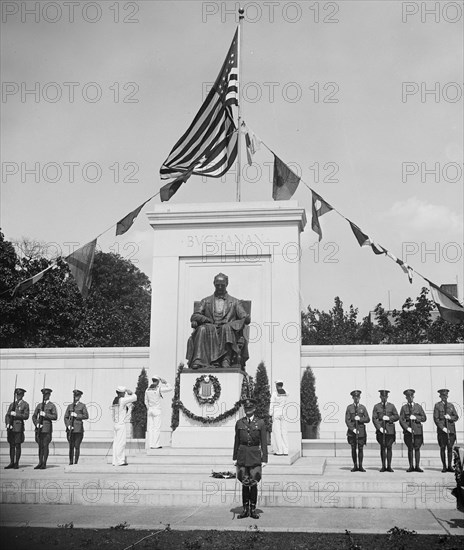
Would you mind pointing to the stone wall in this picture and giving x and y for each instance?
(338, 370)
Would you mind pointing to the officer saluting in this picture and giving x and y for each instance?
(18, 412)
(411, 417)
(444, 416)
(384, 417)
(250, 450)
(74, 416)
(43, 416)
(356, 417)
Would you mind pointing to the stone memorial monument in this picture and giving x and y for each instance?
(256, 247)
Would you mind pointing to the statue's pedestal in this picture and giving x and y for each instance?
(201, 433)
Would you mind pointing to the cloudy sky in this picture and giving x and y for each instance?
(364, 99)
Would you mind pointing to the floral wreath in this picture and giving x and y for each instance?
(216, 387)
(178, 406)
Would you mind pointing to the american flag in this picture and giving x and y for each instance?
(209, 146)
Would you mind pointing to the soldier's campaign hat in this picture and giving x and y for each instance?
(20, 390)
(355, 393)
(443, 392)
(279, 381)
(249, 404)
(409, 392)
(77, 392)
(384, 392)
(121, 389)
(156, 377)
(46, 390)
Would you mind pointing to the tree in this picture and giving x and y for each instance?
(412, 324)
(309, 407)
(52, 313)
(139, 409)
(335, 327)
(118, 305)
(262, 394)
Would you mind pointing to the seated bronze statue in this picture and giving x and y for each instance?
(218, 322)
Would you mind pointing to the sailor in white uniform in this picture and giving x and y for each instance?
(153, 402)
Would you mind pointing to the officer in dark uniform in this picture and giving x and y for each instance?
(18, 412)
(384, 417)
(411, 417)
(250, 450)
(74, 416)
(356, 417)
(45, 413)
(444, 416)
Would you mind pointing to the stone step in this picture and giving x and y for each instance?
(308, 482)
(340, 448)
(218, 492)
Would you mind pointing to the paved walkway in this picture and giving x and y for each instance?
(298, 519)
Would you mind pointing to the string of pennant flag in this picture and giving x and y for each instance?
(285, 183)
(209, 148)
(80, 262)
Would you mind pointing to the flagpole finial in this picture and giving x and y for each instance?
(241, 12)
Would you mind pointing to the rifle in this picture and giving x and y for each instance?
(384, 425)
(356, 423)
(446, 426)
(13, 408)
(40, 422)
(410, 425)
(71, 421)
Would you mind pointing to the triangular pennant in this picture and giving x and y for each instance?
(80, 264)
(168, 190)
(319, 208)
(450, 309)
(126, 223)
(361, 237)
(285, 182)
(21, 287)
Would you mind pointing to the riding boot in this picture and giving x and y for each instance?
(417, 457)
(253, 513)
(245, 512)
(253, 500)
(389, 459)
(354, 458)
(450, 459)
(382, 458)
(246, 502)
(360, 459)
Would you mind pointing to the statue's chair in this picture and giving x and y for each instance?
(242, 335)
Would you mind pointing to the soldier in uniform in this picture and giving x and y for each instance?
(411, 417)
(444, 416)
(74, 416)
(250, 450)
(18, 412)
(356, 417)
(45, 413)
(384, 417)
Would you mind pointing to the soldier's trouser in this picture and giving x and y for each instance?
(15, 439)
(358, 456)
(43, 441)
(75, 440)
(446, 441)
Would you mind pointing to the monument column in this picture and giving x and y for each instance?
(257, 245)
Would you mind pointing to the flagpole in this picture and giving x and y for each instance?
(239, 128)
